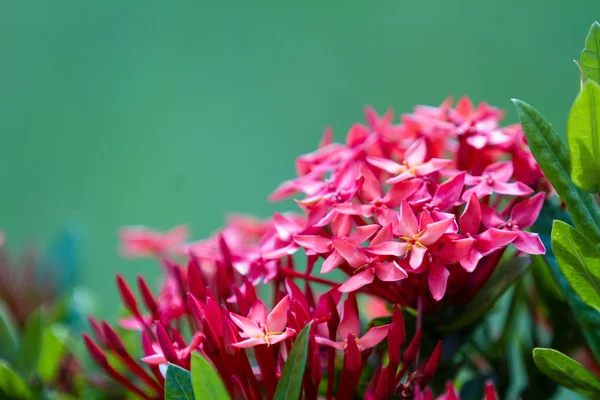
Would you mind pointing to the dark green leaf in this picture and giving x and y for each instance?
(205, 380)
(11, 386)
(587, 317)
(29, 350)
(505, 275)
(7, 340)
(178, 384)
(552, 155)
(53, 347)
(582, 135)
(590, 57)
(579, 262)
(290, 383)
(566, 371)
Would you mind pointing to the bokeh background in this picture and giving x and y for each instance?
(160, 113)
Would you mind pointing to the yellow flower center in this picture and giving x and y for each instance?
(413, 241)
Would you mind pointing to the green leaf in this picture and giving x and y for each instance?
(552, 155)
(29, 350)
(590, 57)
(582, 135)
(503, 278)
(178, 385)
(579, 261)
(11, 386)
(290, 383)
(587, 317)
(205, 380)
(566, 371)
(53, 348)
(7, 340)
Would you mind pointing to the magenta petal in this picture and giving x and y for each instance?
(386, 165)
(501, 171)
(341, 225)
(388, 249)
(362, 233)
(154, 359)
(349, 322)
(244, 344)
(357, 281)
(371, 189)
(318, 244)
(400, 192)
(448, 193)
(529, 243)
(289, 332)
(277, 319)
(525, 212)
(437, 280)
(258, 312)
(431, 166)
(456, 250)
(435, 230)
(390, 272)
(373, 337)
(331, 262)
(385, 234)
(365, 210)
(330, 343)
(494, 239)
(401, 177)
(249, 327)
(512, 189)
(490, 217)
(351, 253)
(416, 257)
(284, 226)
(470, 220)
(408, 225)
(415, 153)
(469, 263)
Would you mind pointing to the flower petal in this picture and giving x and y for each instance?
(318, 244)
(501, 171)
(351, 252)
(435, 230)
(244, 344)
(249, 327)
(408, 225)
(448, 193)
(525, 212)
(365, 210)
(385, 234)
(357, 281)
(437, 280)
(277, 319)
(470, 220)
(362, 233)
(330, 343)
(374, 336)
(469, 263)
(390, 272)
(494, 239)
(288, 333)
(415, 153)
(416, 256)
(529, 243)
(258, 312)
(512, 189)
(331, 262)
(349, 322)
(387, 165)
(371, 189)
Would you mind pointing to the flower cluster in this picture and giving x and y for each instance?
(417, 214)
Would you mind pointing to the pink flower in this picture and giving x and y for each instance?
(144, 242)
(418, 235)
(494, 179)
(350, 325)
(413, 165)
(486, 242)
(372, 260)
(522, 215)
(259, 328)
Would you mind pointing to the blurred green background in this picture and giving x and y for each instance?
(161, 113)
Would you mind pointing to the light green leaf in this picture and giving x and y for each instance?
(505, 275)
(579, 261)
(590, 57)
(552, 155)
(206, 382)
(11, 386)
(583, 130)
(566, 371)
(178, 385)
(290, 383)
(29, 350)
(53, 348)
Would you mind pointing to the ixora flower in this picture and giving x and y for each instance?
(259, 328)
(415, 215)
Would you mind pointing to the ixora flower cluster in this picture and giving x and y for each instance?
(417, 214)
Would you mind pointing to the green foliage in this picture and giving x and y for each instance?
(579, 261)
(590, 56)
(552, 155)
(505, 275)
(53, 348)
(205, 380)
(290, 383)
(7, 341)
(587, 316)
(178, 384)
(11, 385)
(582, 135)
(30, 346)
(566, 371)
